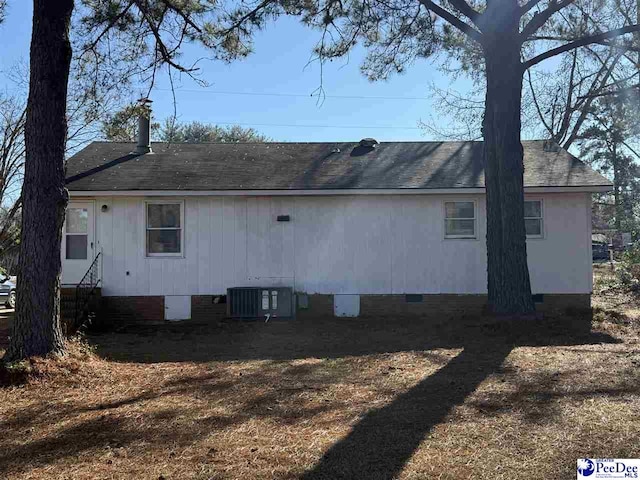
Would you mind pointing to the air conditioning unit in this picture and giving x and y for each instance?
(258, 302)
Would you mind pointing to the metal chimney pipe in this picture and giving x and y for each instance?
(144, 127)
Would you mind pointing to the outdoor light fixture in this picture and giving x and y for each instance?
(104, 208)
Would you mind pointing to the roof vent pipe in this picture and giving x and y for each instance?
(368, 142)
(144, 127)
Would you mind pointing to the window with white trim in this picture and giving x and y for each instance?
(533, 218)
(460, 219)
(164, 235)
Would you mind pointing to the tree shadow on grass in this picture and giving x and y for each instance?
(323, 338)
(153, 421)
(377, 447)
(380, 444)
(72, 441)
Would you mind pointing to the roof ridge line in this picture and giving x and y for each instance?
(305, 143)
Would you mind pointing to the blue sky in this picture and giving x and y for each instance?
(279, 66)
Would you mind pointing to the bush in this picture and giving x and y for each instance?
(14, 373)
(629, 267)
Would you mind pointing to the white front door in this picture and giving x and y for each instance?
(78, 248)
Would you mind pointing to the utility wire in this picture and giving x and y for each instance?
(281, 94)
(386, 127)
(294, 95)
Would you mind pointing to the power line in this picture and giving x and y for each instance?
(279, 94)
(386, 127)
(293, 95)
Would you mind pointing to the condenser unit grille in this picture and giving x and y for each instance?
(244, 302)
(253, 302)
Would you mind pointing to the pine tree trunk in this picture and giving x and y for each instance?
(36, 329)
(508, 283)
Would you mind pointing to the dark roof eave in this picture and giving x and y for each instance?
(381, 189)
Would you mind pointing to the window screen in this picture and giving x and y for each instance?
(164, 229)
(460, 219)
(533, 218)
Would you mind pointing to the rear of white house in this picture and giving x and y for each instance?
(377, 228)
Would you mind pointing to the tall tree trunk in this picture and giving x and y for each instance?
(36, 329)
(507, 271)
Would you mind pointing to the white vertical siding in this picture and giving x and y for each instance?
(561, 261)
(191, 244)
(104, 239)
(343, 244)
(205, 253)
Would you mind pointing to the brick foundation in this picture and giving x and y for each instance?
(446, 305)
(119, 310)
(68, 307)
(564, 303)
(431, 305)
(318, 306)
(204, 309)
(150, 309)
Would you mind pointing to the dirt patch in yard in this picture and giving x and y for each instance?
(374, 399)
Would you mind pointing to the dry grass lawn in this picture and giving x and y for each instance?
(337, 399)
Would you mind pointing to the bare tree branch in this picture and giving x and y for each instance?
(529, 5)
(7, 221)
(537, 106)
(109, 26)
(581, 42)
(463, 7)
(453, 20)
(598, 84)
(540, 18)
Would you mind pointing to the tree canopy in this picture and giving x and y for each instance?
(122, 126)
(609, 145)
(197, 132)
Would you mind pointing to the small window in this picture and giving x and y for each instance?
(460, 219)
(533, 218)
(164, 229)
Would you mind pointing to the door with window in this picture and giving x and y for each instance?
(78, 244)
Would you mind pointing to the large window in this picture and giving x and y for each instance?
(533, 218)
(164, 229)
(460, 220)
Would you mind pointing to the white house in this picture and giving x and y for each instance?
(392, 228)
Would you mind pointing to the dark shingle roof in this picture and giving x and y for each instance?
(298, 166)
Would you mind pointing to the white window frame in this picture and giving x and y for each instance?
(541, 217)
(146, 227)
(475, 219)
